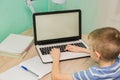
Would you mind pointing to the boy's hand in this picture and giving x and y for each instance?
(74, 48)
(55, 53)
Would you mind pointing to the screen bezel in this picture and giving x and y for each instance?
(42, 42)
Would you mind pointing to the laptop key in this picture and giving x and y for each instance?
(46, 50)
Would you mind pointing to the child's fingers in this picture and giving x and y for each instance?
(68, 47)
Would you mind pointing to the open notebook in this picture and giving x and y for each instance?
(34, 64)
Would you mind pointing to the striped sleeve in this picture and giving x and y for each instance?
(83, 75)
(97, 73)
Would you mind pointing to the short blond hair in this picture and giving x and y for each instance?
(106, 41)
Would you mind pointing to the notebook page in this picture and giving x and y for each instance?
(15, 43)
(16, 73)
(35, 65)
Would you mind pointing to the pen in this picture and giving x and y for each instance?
(26, 69)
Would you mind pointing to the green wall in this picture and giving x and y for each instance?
(15, 17)
(89, 12)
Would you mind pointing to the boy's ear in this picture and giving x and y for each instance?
(98, 54)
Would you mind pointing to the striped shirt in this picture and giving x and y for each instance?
(97, 73)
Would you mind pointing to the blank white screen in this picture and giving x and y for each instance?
(53, 26)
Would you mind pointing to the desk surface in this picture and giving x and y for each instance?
(69, 66)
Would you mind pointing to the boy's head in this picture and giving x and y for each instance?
(105, 41)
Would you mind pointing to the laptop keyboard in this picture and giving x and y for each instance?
(46, 50)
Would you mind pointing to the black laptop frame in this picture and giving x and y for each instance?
(58, 39)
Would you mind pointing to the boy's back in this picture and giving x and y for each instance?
(100, 73)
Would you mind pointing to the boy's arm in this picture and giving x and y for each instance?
(74, 48)
(56, 72)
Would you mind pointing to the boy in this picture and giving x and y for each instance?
(104, 46)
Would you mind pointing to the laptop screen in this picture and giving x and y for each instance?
(57, 26)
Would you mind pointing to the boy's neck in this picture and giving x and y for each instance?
(106, 63)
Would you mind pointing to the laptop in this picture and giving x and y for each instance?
(56, 29)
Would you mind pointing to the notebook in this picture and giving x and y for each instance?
(16, 45)
(34, 64)
(57, 29)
